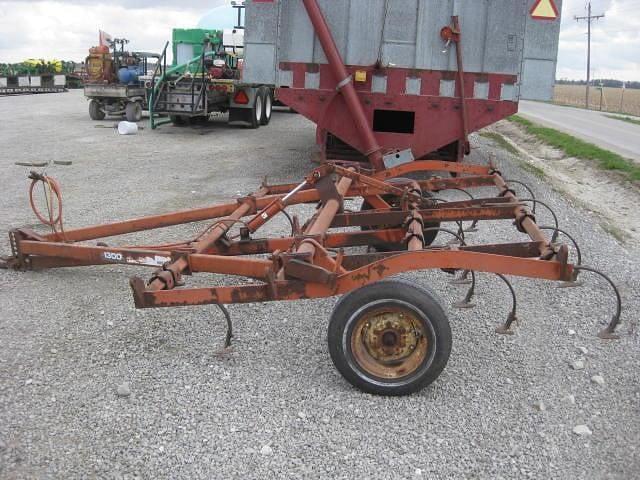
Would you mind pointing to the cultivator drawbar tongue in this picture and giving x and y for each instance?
(385, 336)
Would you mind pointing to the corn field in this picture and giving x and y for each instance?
(612, 98)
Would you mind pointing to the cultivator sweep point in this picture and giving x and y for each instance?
(384, 337)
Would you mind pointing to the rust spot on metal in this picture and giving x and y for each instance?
(363, 276)
(380, 269)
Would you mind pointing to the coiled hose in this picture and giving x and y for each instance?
(52, 196)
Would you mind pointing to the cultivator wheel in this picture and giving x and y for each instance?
(390, 338)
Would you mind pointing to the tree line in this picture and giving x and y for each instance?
(38, 67)
(605, 82)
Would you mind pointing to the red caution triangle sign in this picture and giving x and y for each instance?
(545, 10)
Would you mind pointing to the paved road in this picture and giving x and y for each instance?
(595, 127)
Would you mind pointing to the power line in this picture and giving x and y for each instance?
(589, 18)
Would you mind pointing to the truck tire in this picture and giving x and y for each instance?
(133, 112)
(251, 117)
(257, 111)
(390, 337)
(267, 105)
(95, 110)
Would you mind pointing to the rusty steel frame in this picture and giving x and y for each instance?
(398, 216)
(315, 260)
(303, 265)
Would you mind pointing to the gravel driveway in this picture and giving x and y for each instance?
(92, 388)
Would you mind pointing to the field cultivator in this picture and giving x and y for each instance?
(385, 336)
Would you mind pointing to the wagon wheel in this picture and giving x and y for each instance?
(430, 233)
(133, 111)
(389, 338)
(95, 110)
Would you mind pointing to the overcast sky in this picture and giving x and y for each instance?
(64, 29)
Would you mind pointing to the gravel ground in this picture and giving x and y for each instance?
(274, 407)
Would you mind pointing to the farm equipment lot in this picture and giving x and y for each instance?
(274, 406)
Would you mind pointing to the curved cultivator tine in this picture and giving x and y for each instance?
(609, 333)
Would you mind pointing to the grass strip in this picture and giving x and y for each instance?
(500, 141)
(624, 119)
(503, 143)
(574, 147)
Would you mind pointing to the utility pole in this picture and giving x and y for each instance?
(589, 18)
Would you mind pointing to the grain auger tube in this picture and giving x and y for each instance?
(385, 336)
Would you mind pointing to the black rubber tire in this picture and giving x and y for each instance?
(256, 112)
(133, 112)
(95, 110)
(249, 117)
(267, 105)
(179, 120)
(429, 235)
(423, 302)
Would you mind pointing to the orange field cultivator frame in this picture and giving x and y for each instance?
(385, 336)
(383, 349)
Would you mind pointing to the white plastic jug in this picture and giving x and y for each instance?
(127, 128)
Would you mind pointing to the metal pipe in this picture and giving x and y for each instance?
(286, 198)
(415, 226)
(208, 241)
(329, 210)
(174, 218)
(530, 227)
(324, 219)
(463, 101)
(345, 84)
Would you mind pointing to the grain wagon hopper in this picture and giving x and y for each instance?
(444, 67)
(385, 336)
